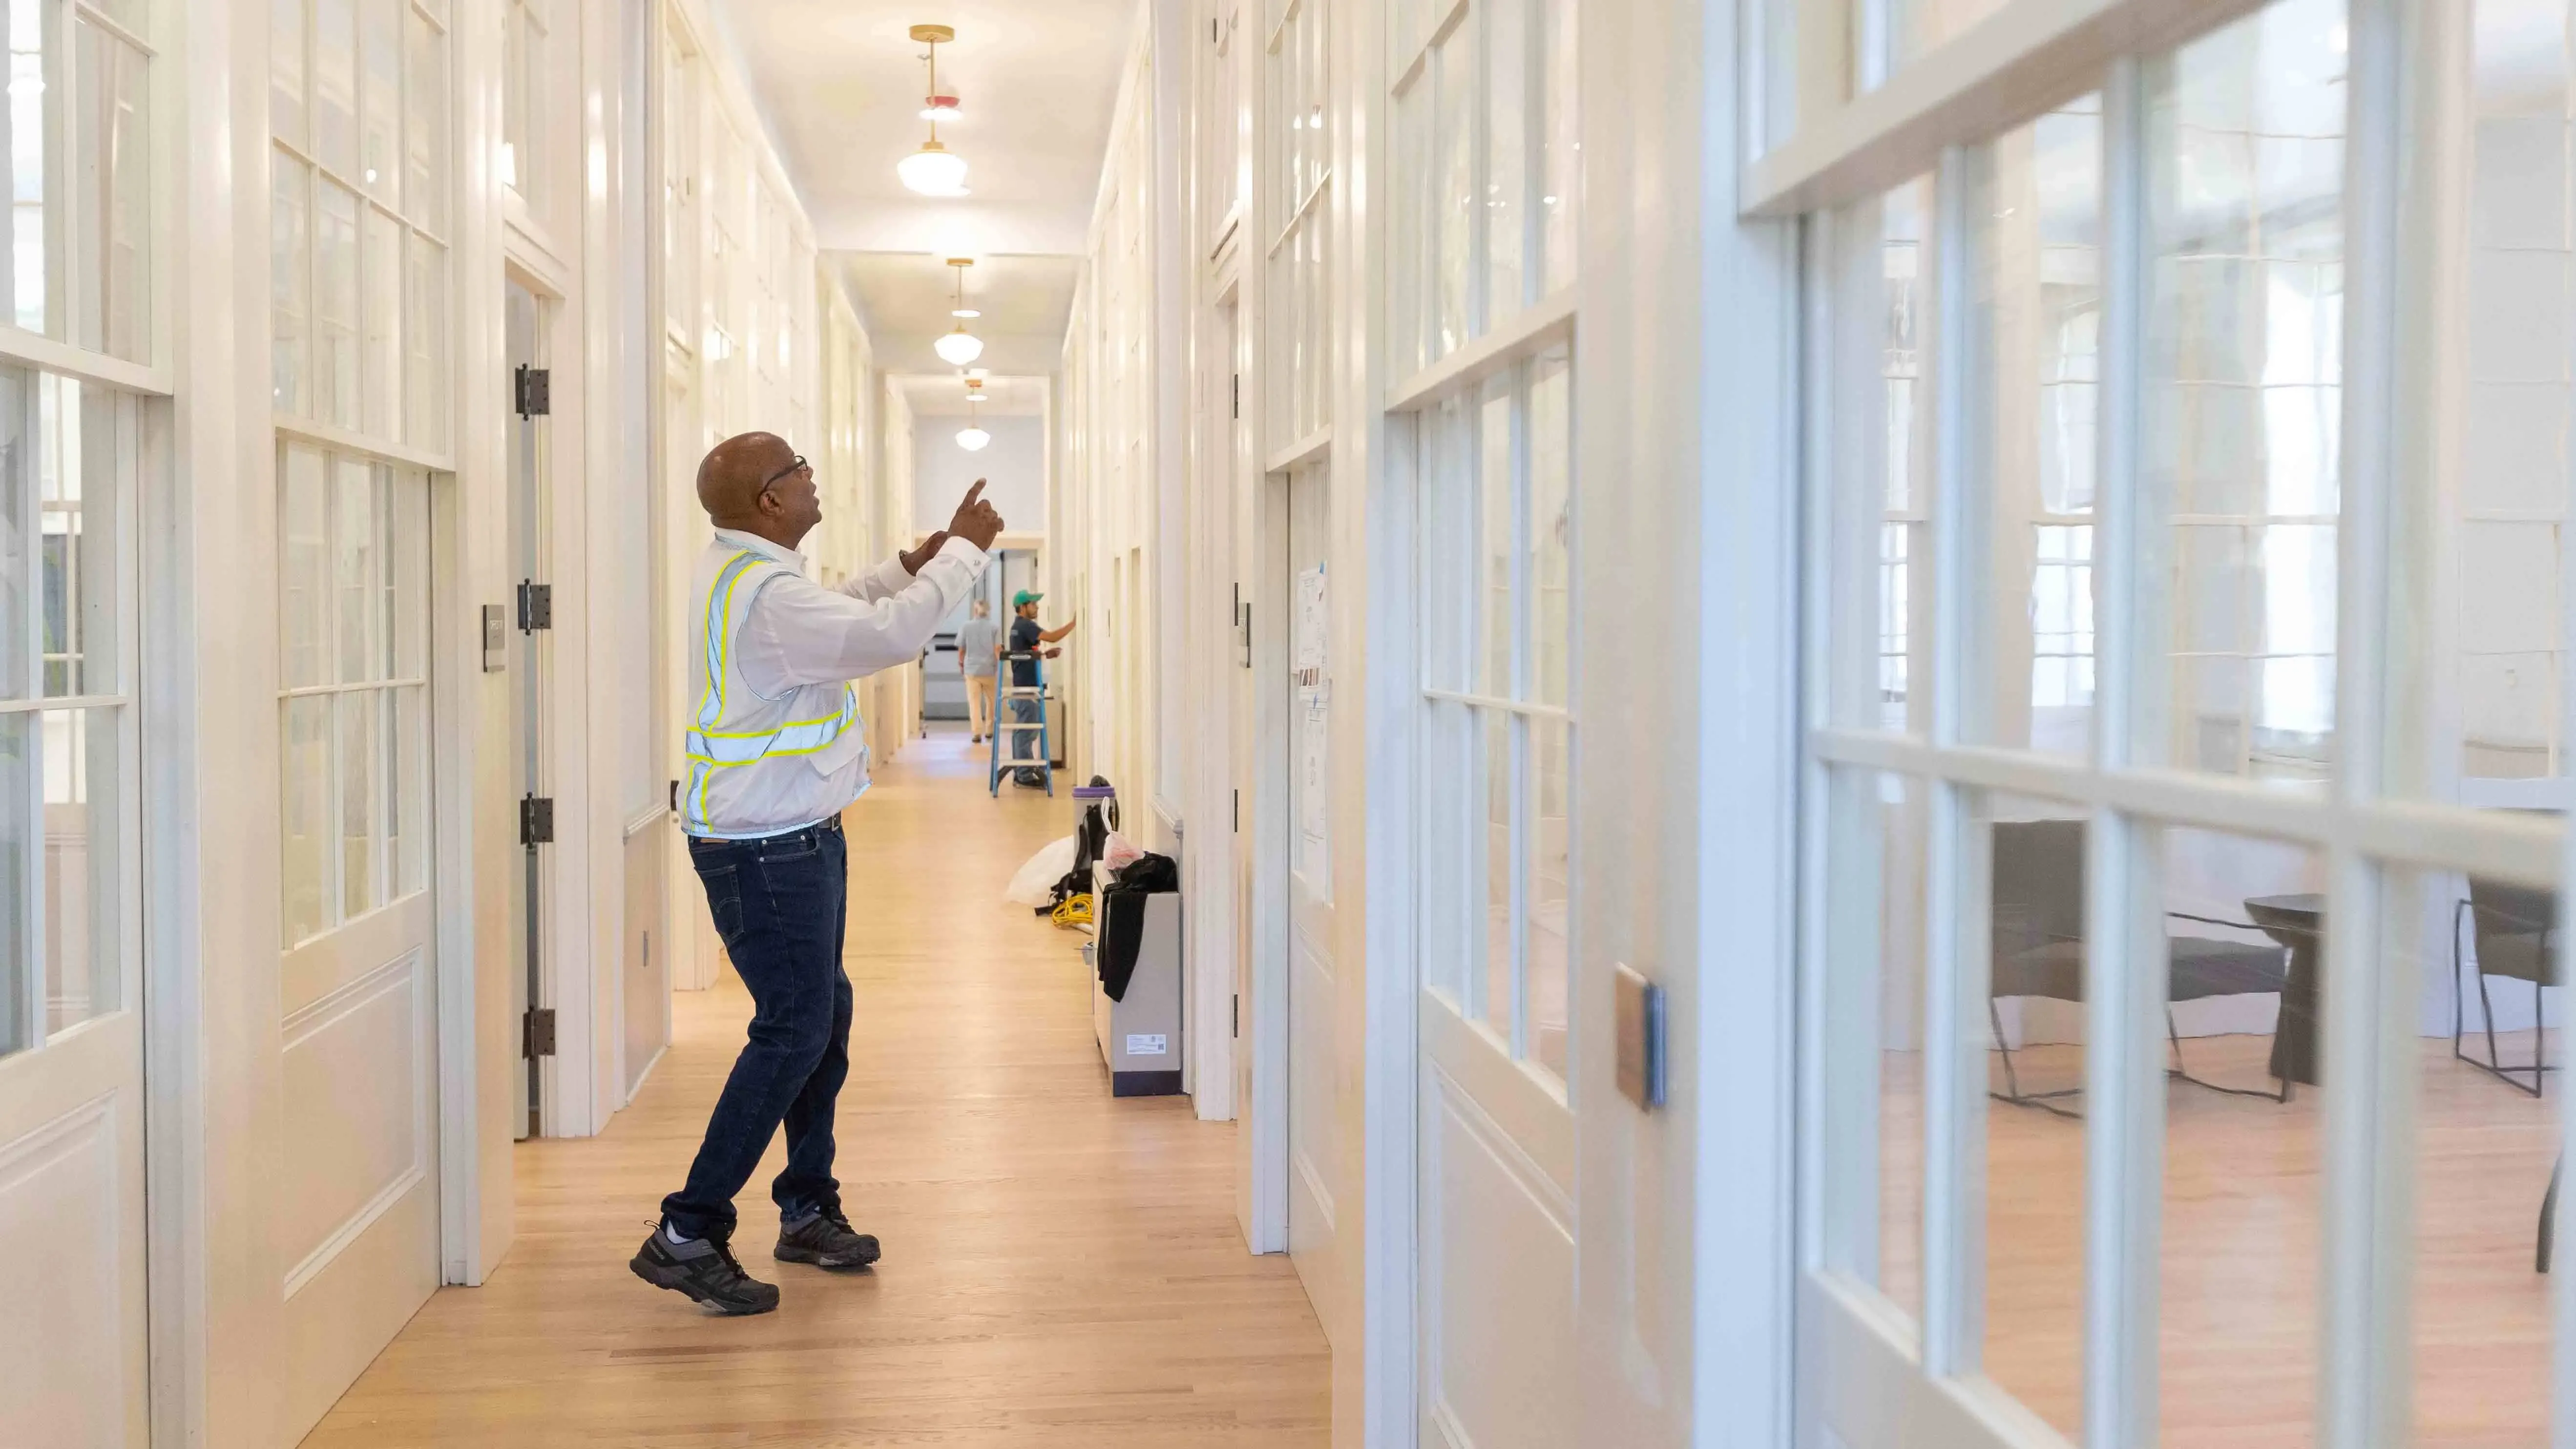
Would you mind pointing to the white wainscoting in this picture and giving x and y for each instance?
(67, 1373)
(359, 1237)
(1498, 1335)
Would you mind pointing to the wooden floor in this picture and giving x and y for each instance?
(1061, 1270)
(2243, 1218)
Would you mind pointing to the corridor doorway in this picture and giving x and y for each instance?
(531, 658)
(1314, 1142)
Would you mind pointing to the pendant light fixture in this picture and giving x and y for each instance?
(972, 437)
(934, 170)
(960, 347)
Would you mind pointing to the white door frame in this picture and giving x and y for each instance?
(1264, 1180)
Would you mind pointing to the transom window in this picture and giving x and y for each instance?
(1299, 296)
(359, 218)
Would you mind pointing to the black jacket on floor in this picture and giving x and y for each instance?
(1120, 914)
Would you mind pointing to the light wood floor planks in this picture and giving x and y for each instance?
(1062, 1269)
(2243, 1218)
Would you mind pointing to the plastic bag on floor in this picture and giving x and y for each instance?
(1034, 884)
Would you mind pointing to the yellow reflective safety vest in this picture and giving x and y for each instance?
(761, 765)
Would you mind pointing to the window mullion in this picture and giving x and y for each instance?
(1524, 684)
(1955, 1055)
(2125, 990)
(2407, 57)
(1480, 172)
(328, 826)
(1539, 116)
(61, 107)
(23, 481)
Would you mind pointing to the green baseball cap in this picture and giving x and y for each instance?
(1025, 596)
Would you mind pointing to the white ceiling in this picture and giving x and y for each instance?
(944, 396)
(904, 300)
(841, 84)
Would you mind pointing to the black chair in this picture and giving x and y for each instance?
(2038, 930)
(2516, 930)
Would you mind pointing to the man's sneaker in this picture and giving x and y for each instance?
(705, 1270)
(826, 1241)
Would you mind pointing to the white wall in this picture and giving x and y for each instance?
(1015, 462)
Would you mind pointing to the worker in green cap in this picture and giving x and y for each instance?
(1029, 642)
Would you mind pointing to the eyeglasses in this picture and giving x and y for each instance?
(797, 466)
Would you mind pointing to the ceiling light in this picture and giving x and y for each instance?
(965, 312)
(939, 108)
(934, 170)
(961, 346)
(972, 437)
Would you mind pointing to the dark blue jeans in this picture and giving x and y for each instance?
(780, 903)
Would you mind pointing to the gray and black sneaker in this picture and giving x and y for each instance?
(826, 1241)
(705, 1270)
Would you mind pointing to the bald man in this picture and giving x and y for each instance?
(776, 752)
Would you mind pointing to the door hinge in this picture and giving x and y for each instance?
(1211, 32)
(1238, 395)
(534, 392)
(537, 1032)
(1238, 1016)
(536, 607)
(1238, 812)
(536, 820)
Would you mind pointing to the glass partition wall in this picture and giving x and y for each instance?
(2187, 461)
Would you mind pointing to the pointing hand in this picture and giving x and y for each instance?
(977, 521)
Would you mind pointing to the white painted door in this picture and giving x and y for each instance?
(1314, 1126)
(358, 1189)
(72, 1349)
(1485, 107)
(2169, 582)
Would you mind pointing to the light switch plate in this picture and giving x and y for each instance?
(1639, 1017)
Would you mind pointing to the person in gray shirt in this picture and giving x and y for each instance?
(979, 647)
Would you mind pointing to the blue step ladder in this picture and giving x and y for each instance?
(1007, 690)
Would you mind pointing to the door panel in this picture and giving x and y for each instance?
(648, 968)
(71, 1179)
(1497, 1225)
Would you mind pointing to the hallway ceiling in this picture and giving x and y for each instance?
(840, 83)
(904, 300)
(945, 397)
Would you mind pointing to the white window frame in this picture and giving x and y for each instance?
(426, 441)
(120, 956)
(2375, 815)
(387, 890)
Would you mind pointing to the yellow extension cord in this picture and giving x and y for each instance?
(1074, 913)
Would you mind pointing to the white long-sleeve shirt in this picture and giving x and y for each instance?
(795, 634)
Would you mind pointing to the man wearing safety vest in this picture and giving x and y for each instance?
(776, 752)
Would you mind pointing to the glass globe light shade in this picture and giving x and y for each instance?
(934, 170)
(960, 347)
(973, 439)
